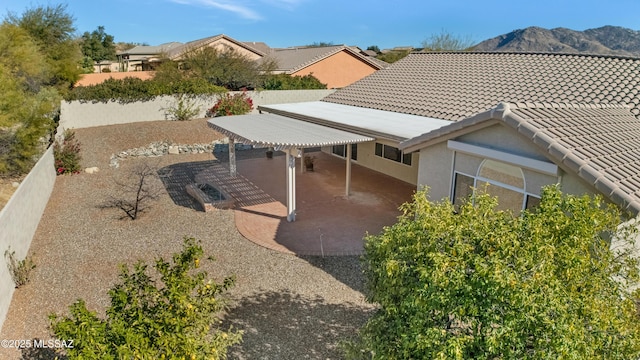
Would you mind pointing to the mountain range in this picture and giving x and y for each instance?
(606, 40)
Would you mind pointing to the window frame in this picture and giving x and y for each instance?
(402, 157)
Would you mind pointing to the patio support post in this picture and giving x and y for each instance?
(347, 189)
(291, 185)
(232, 158)
(302, 166)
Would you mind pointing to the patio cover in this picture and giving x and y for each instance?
(283, 133)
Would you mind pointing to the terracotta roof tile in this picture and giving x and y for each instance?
(454, 86)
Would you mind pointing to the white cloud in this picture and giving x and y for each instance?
(231, 6)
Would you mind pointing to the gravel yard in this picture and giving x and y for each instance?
(288, 307)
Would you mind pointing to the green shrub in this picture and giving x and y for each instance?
(227, 105)
(66, 154)
(173, 315)
(129, 90)
(288, 82)
(184, 108)
(478, 283)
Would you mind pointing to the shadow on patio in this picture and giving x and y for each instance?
(327, 222)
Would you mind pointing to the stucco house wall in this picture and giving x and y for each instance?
(438, 163)
(338, 70)
(368, 159)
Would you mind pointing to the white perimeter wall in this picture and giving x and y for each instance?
(19, 220)
(76, 115)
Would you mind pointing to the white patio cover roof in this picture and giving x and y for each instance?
(371, 122)
(281, 132)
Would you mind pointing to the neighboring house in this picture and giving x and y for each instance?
(142, 58)
(518, 122)
(335, 66)
(221, 43)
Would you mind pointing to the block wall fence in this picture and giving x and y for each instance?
(20, 217)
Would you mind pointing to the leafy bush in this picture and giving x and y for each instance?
(129, 90)
(184, 108)
(482, 284)
(174, 317)
(20, 269)
(236, 104)
(288, 82)
(66, 154)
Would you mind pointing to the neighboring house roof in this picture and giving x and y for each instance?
(150, 50)
(98, 78)
(455, 86)
(291, 60)
(178, 51)
(598, 142)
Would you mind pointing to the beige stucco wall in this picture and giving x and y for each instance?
(368, 159)
(338, 70)
(437, 162)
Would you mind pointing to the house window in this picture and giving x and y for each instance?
(392, 153)
(498, 179)
(341, 151)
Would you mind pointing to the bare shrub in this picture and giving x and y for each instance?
(136, 191)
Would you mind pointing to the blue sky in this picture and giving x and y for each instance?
(282, 23)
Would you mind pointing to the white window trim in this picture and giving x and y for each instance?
(477, 178)
(544, 167)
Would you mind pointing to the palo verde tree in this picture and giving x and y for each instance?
(173, 314)
(27, 103)
(476, 283)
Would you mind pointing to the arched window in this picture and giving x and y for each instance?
(504, 181)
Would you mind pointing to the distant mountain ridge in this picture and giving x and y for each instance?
(606, 40)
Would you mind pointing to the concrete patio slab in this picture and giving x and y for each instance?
(327, 222)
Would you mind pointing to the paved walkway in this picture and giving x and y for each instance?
(327, 222)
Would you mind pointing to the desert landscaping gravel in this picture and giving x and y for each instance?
(288, 307)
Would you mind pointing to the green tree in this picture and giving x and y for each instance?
(445, 41)
(477, 283)
(374, 48)
(52, 29)
(228, 68)
(27, 105)
(98, 45)
(172, 315)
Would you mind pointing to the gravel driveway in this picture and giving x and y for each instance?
(288, 307)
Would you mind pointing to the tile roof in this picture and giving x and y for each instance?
(454, 86)
(150, 50)
(598, 142)
(177, 51)
(290, 60)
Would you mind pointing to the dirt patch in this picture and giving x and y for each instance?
(7, 188)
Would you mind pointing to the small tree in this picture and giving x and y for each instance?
(174, 315)
(135, 193)
(98, 45)
(478, 283)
